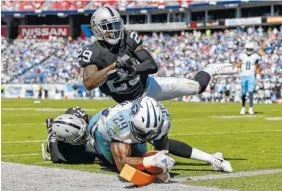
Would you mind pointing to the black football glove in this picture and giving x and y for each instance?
(124, 61)
(49, 122)
(77, 111)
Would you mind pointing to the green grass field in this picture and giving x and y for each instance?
(250, 143)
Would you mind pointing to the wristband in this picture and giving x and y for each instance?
(148, 161)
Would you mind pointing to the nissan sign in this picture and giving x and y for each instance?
(44, 31)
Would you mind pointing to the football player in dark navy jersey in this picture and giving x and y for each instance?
(118, 64)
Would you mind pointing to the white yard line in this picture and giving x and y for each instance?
(221, 133)
(20, 114)
(22, 124)
(228, 175)
(26, 141)
(20, 155)
(39, 109)
(236, 116)
(273, 118)
(184, 134)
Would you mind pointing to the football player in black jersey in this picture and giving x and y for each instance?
(118, 64)
(71, 148)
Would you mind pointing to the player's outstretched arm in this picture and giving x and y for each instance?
(121, 153)
(147, 63)
(92, 78)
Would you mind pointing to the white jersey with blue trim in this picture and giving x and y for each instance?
(114, 124)
(248, 67)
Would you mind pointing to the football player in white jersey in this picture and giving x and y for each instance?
(119, 134)
(248, 63)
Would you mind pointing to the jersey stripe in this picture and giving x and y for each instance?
(148, 116)
(155, 115)
(66, 123)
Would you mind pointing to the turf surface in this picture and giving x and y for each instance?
(271, 182)
(250, 143)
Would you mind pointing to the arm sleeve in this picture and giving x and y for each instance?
(147, 64)
(161, 144)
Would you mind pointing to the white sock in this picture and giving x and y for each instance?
(200, 155)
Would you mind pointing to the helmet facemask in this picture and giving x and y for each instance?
(83, 136)
(249, 51)
(110, 30)
(140, 135)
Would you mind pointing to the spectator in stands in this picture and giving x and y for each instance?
(55, 61)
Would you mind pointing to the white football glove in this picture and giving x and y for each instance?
(160, 160)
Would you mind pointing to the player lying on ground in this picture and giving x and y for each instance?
(116, 132)
(119, 65)
(248, 63)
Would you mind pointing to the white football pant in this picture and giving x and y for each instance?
(165, 88)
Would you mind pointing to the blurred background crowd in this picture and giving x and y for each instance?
(10, 5)
(54, 61)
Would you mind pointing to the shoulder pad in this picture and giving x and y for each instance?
(87, 55)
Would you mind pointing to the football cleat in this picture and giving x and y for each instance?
(243, 111)
(220, 164)
(251, 111)
(222, 69)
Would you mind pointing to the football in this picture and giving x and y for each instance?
(152, 170)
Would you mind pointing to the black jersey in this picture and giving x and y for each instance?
(119, 85)
(61, 152)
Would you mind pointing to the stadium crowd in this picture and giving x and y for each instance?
(12, 5)
(54, 61)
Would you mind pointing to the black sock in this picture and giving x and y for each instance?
(179, 149)
(243, 100)
(203, 78)
(251, 95)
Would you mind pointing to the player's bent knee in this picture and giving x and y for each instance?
(203, 78)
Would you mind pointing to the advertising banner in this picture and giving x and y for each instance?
(243, 21)
(196, 24)
(85, 31)
(212, 23)
(274, 20)
(50, 91)
(3, 30)
(44, 32)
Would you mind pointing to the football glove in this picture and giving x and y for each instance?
(124, 62)
(160, 160)
(49, 122)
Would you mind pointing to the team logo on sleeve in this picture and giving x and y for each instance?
(135, 109)
(105, 112)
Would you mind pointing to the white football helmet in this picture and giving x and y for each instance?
(70, 129)
(106, 24)
(249, 48)
(146, 119)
